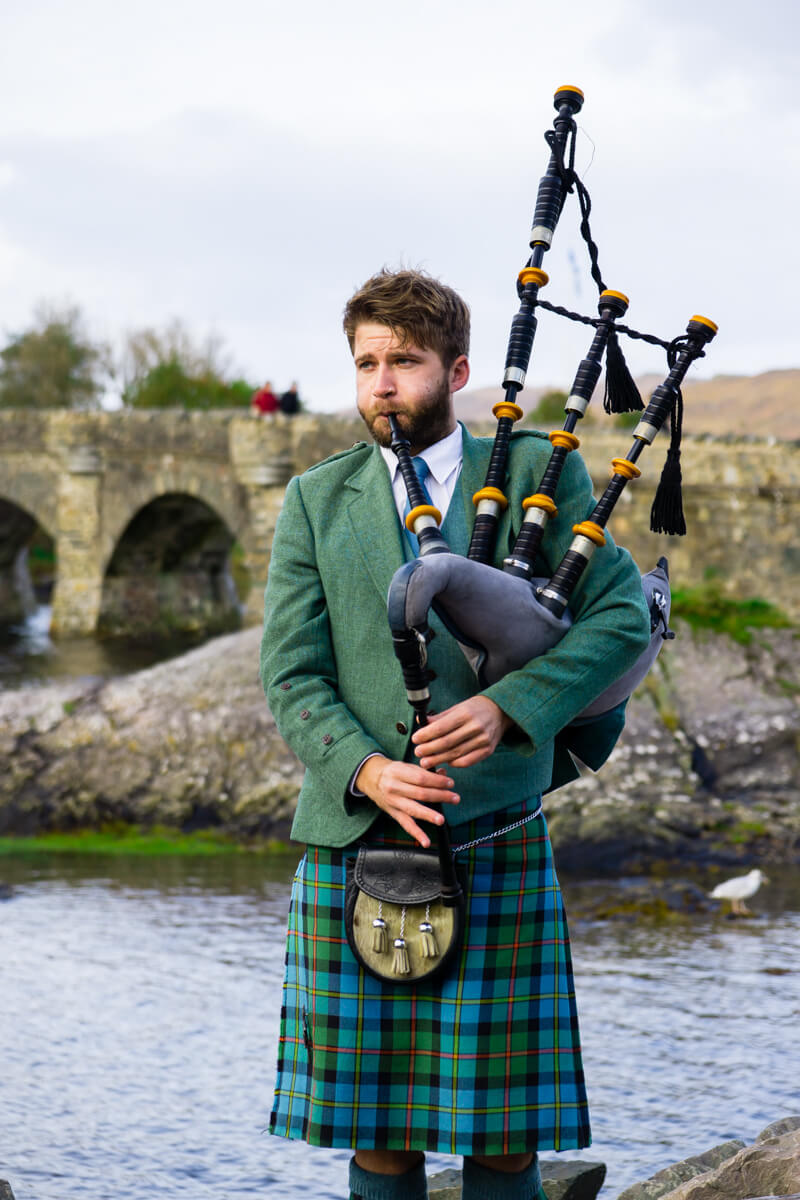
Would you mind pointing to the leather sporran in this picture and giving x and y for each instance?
(398, 925)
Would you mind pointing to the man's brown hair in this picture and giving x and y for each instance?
(416, 307)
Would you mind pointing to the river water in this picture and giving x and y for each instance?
(29, 656)
(139, 1003)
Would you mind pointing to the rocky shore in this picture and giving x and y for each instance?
(707, 770)
(768, 1168)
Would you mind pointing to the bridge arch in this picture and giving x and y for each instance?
(121, 506)
(18, 527)
(169, 570)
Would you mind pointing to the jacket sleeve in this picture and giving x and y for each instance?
(611, 629)
(298, 667)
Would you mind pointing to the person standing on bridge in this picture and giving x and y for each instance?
(484, 1062)
(264, 401)
(290, 400)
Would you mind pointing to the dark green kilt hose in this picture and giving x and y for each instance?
(484, 1061)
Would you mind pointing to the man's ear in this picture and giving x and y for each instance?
(459, 373)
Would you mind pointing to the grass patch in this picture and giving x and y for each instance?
(706, 607)
(133, 840)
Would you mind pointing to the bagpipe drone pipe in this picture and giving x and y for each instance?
(502, 619)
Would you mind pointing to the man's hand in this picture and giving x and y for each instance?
(403, 790)
(462, 735)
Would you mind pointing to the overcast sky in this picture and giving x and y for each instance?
(245, 166)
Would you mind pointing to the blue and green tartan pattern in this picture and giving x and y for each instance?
(484, 1061)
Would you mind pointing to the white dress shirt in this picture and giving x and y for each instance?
(444, 462)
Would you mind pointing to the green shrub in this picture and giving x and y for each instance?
(707, 607)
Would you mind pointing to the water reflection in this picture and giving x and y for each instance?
(28, 655)
(139, 1010)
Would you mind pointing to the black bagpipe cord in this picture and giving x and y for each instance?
(621, 393)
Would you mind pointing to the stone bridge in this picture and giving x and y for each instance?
(143, 509)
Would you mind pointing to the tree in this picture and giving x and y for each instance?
(549, 411)
(167, 369)
(54, 364)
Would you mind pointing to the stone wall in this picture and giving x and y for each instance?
(83, 477)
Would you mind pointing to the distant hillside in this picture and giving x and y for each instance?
(765, 405)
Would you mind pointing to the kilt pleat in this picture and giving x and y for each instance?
(484, 1061)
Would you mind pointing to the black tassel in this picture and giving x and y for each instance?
(666, 515)
(622, 394)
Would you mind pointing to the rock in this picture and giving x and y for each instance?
(768, 1167)
(777, 1128)
(188, 744)
(445, 1185)
(570, 1180)
(631, 899)
(670, 1177)
(707, 770)
(5, 1191)
(562, 1180)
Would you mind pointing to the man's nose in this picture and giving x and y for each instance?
(383, 382)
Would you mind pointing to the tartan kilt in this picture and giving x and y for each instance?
(484, 1061)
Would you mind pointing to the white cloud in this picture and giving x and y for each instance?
(245, 169)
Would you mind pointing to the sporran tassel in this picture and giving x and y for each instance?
(379, 938)
(622, 394)
(400, 963)
(428, 941)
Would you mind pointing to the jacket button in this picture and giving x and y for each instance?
(326, 739)
(305, 714)
(401, 727)
(286, 687)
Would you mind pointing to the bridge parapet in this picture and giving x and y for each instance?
(85, 477)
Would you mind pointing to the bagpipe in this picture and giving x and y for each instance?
(503, 618)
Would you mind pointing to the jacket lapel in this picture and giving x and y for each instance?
(372, 516)
(373, 521)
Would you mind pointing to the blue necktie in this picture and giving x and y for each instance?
(423, 471)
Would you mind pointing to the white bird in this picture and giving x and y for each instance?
(739, 889)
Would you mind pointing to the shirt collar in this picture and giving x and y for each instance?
(442, 457)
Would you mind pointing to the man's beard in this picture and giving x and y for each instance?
(422, 427)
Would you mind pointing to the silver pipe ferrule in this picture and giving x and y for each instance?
(576, 403)
(487, 507)
(516, 562)
(646, 432)
(541, 234)
(535, 516)
(583, 546)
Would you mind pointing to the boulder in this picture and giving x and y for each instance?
(188, 744)
(706, 771)
(770, 1167)
(669, 1178)
(561, 1179)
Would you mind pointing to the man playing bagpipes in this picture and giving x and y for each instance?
(482, 1060)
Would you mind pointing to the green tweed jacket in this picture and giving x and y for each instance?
(328, 666)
